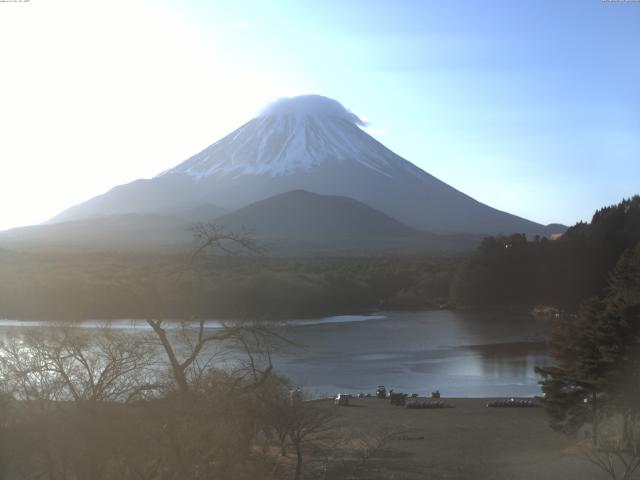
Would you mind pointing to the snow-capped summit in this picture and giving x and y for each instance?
(307, 143)
(293, 135)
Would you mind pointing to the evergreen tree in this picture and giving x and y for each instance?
(597, 355)
(564, 272)
(619, 337)
(573, 386)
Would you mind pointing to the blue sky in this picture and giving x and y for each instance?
(532, 106)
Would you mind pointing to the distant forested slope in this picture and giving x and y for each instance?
(514, 271)
(78, 286)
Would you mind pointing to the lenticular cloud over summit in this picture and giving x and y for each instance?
(313, 106)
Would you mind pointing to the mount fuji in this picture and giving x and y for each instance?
(307, 143)
(301, 144)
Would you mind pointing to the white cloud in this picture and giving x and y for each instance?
(311, 104)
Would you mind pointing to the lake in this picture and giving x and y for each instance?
(460, 353)
(463, 354)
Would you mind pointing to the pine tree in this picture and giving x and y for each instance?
(619, 337)
(597, 355)
(573, 386)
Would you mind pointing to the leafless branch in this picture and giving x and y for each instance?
(210, 236)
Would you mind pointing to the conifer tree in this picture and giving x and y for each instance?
(597, 355)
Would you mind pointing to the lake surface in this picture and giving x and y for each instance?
(463, 354)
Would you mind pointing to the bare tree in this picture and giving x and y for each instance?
(65, 362)
(274, 410)
(307, 423)
(96, 404)
(194, 337)
(72, 386)
(213, 237)
(617, 452)
(212, 368)
(193, 349)
(180, 367)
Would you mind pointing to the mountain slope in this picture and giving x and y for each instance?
(311, 143)
(302, 222)
(291, 223)
(302, 214)
(121, 232)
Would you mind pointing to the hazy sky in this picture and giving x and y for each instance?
(532, 107)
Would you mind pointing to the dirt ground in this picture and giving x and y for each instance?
(469, 441)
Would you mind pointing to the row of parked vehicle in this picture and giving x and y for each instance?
(396, 398)
(400, 399)
(427, 404)
(511, 402)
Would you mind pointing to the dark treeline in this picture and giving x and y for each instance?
(514, 271)
(595, 379)
(598, 354)
(103, 286)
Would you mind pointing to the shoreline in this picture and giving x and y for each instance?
(302, 317)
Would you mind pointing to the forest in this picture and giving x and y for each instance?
(504, 271)
(118, 285)
(519, 272)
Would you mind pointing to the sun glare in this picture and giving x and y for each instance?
(92, 89)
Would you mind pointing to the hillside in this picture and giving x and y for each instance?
(288, 224)
(515, 271)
